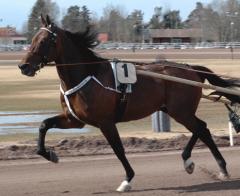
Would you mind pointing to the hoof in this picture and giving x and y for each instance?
(223, 176)
(124, 187)
(49, 155)
(189, 166)
(53, 157)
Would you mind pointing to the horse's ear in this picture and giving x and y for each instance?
(44, 22)
(48, 20)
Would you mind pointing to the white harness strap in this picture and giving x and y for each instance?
(71, 91)
(77, 88)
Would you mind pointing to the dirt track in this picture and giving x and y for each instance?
(156, 174)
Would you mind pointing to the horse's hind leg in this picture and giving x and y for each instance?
(186, 154)
(111, 133)
(199, 128)
(188, 163)
(59, 121)
(205, 136)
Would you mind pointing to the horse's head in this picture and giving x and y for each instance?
(43, 48)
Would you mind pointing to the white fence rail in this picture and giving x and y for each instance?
(154, 46)
(142, 46)
(13, 47)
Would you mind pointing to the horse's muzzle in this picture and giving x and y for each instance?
(23, 66)
(26, 69)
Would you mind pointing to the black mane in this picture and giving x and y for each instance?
(83, 40)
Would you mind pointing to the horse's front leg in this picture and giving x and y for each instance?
(59, 121)
(110, 131)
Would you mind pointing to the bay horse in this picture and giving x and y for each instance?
(97, 103)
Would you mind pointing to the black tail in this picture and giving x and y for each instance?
(213, 79)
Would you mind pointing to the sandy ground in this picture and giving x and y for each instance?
(157, 174)
(97, 145)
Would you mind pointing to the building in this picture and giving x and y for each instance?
(9, 36)
(175, 35)
(103, 37)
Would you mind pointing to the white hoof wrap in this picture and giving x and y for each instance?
(189, 166)
(124, 187)
(221, 176)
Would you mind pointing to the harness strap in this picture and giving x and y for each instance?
(68, 105)
(122, 103)
(77, 88)
(121, 107)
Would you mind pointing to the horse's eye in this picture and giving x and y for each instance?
(41, 42)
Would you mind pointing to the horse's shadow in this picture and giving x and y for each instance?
(204, 187)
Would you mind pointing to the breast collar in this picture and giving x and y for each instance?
(77, 88)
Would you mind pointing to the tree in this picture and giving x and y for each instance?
(136, 20)
(172, 20)
(114, 23)
(34, 18)
(53, 10)
(40, 7)
(219, 21)
(155, 21)
(86, 19)
(229, 14)
(210, 25)
(77, 19)
(72, 19)
(196, 17)
(206, 19)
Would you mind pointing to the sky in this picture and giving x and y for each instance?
(16, 12)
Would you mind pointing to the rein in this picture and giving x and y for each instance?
(138, 64)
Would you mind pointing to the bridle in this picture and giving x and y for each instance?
(52, 42)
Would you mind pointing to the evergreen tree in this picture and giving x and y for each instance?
(172, 20)
(76, 19)
(204, 18)
(71, 21)
(85, 13)
(155, 21)
(137, 19)
(196, 17)
(53, 10)
(34, 21)
(40, 7)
